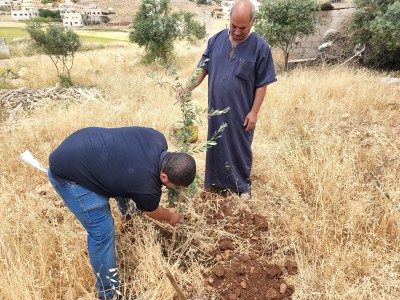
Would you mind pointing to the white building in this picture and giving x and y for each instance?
(71, 14)
(22, 15)
(5, 3)
(72, 19)
(95, 14)
(30, 4)
(227, 6)
(76, 15)
(25, 9)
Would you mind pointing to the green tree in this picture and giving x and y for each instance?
(156, 28)
(282, 23)
(59, 44)
(46, 13)
(376, 24)
(190, 28)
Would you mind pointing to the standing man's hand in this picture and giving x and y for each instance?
(182, 94)
(251, 118)
(250, 121)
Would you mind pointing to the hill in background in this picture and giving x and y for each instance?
(125, 9)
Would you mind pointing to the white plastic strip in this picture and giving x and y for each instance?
(28, 157)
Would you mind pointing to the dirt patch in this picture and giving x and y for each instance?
(237, 264)
(237, 276)
(243, 276)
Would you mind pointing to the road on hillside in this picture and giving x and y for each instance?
(206, 18)
(5, 62)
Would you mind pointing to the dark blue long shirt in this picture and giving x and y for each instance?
(232, 82)
(114, 162)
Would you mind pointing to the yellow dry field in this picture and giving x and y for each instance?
(114, 35)
(322, 134)
(9, 24)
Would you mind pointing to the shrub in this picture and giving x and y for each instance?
(283, 22)
(45, 13)
(375, 24)
(327, 6)
(60, 45)
(156, 28)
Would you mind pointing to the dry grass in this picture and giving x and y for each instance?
(319, 139)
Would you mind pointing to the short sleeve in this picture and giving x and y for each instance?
(146, 202)
(204, 57)
(265, 72)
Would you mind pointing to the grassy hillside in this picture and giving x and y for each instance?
(321, 136)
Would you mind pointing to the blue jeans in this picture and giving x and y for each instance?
(93, 211)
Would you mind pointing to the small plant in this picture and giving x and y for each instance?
(6, 75)
(190, 116)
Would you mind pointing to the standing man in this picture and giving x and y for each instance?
(94, 164)
(239, 68)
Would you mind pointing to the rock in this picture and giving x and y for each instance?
(235, 295)
(23, 72)
(260, 222)
(272, 294)
(345, 116)
(343, 124)
(291, 267)
(283, 287)
(219, 270)
(239, 269)
(273, 271)
(225, 244)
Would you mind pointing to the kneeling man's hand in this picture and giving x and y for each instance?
(164, 215)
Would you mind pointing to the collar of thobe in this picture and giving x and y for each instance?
(233, 46)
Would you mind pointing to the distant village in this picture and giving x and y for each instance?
(72, 13)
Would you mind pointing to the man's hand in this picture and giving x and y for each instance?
(174, 218)
(182, 94)
(164, 215)
(250, 121)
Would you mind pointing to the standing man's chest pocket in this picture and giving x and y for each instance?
(245, 70)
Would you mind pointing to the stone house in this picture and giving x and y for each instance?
(75, 15)
(25, 9)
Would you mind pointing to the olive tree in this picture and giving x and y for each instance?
(282, 23)
(376, 24)
(60, 44)
(156, 28)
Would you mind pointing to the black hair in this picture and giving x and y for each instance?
(180, 168)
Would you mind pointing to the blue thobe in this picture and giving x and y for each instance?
(233, 77)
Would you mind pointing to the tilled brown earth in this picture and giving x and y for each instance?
(243, 276)
(238, 266)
